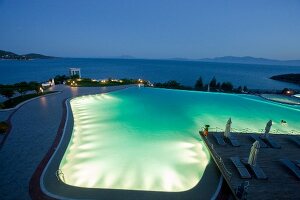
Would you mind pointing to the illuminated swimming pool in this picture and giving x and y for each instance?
(147, 139)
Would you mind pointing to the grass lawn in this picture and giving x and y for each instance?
(86, 82)
(15, 101)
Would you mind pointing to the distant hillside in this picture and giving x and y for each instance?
(251, 60)
(14, 56)
(126, 57)
(291, 78)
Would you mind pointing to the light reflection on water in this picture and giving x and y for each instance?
(147, 139)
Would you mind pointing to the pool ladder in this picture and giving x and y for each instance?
(60, 175)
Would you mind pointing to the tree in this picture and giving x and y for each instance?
(218, 86)
(213, 83)
(35, 86)
(159, 85)
(245, 89)
(227, 86)
(7, 92)
(58, 79)
(240, 89)
(76, 76)
(22, 87)
(172, 84)
(199, 84)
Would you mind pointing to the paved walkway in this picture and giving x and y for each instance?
(4, 115)
(34, 128)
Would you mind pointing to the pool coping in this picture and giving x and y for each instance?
(64, 134)
(278, 101)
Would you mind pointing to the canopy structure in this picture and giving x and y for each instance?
(253, 153)
(267, 129)
(227, 128)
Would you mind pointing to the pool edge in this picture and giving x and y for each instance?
(57, 149)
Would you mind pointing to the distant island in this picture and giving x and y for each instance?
(290, 78)
(6, 55)
(13, 56)
(251, 60)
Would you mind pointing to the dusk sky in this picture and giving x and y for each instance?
(152, 29)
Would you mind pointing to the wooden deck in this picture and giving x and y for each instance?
(281, 183)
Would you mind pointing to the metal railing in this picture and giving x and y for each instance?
(218, 158)
(249, 130)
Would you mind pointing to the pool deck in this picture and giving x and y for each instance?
(34, 128)
(281, 183)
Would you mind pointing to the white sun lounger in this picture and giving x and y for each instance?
(219, 138)
(291, 166)
(234, 141)
(240, 167)
(261, 142)
(257, 170)
(295, 139)
(272, 143)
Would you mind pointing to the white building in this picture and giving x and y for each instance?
(49, 83)
(75, 71)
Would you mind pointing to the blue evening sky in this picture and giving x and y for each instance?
(152, 28)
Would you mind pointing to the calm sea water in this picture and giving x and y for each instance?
(186, 72)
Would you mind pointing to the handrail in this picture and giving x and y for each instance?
(219, 159)
(249, 130)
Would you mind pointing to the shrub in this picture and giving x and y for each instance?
(7, 91)
(213, 83)
(4, 126)
(199, 84)
(227, 86)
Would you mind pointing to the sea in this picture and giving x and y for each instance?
(186, 72)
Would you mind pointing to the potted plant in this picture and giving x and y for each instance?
(205, 132)
(3, 127)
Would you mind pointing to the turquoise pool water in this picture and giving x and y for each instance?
(147, 139)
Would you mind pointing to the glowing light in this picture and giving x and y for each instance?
(109, 151)
(136, 139)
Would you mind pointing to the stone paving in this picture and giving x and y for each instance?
(34, 128)
(5, 114)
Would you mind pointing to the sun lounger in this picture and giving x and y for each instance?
(240, 167)
(292, 167)
(272, 143)
(256, 169)
(259, 173)
(234, 141)
(219, 138)
(295, 139)
(261, 142)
